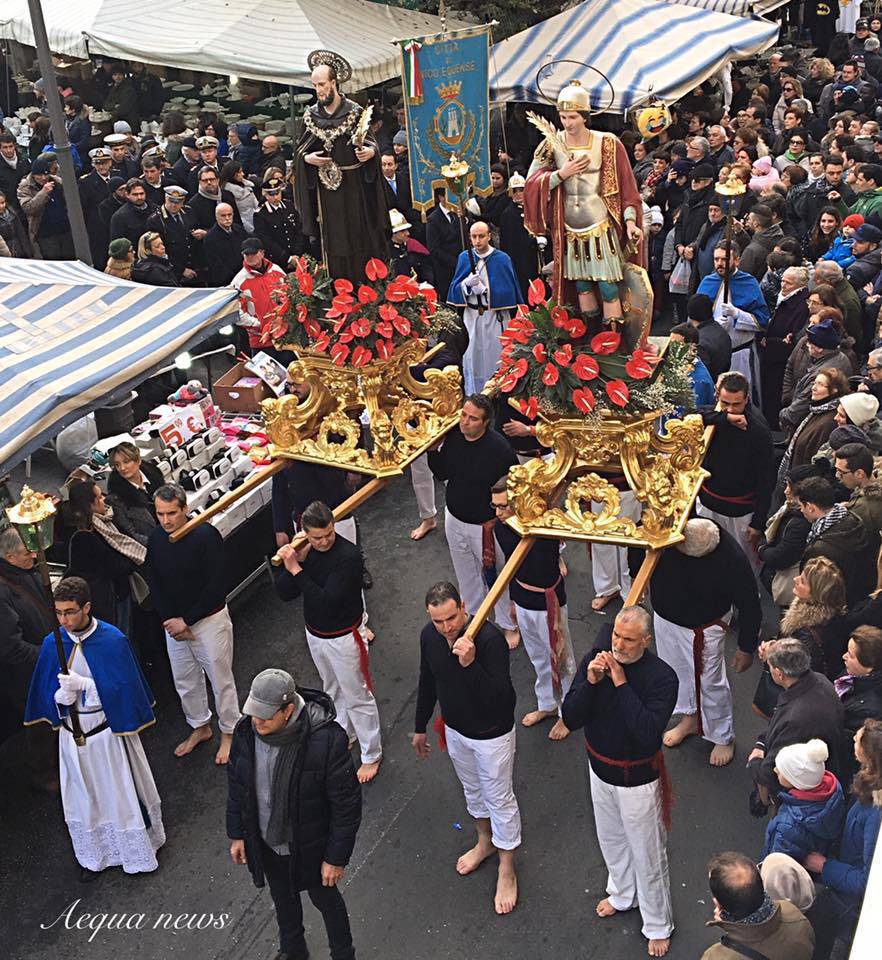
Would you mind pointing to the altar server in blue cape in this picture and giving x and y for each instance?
(489, 295)
(743, 316)
(111, 805)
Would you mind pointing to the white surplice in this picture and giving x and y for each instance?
(111, 805)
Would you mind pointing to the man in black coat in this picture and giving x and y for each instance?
(25, 619)
(14, 167)
(294, 806)
(714, 344)
(693, 212)
(189, 159)
(106, 209)
(807, 707)
(223, 247)
(94, 190)
(130, 221)
(444, 240)
(277, 225)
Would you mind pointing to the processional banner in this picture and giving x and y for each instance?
(447, 105)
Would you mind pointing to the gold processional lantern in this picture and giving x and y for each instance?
(34, 518)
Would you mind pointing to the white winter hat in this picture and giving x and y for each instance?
(802, 764)
(861, 407)
(656, 215)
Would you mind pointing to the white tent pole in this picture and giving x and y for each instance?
(59, 135)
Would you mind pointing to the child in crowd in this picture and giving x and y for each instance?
(840, 251)
(812, 806)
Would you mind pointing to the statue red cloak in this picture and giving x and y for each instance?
(544, 211)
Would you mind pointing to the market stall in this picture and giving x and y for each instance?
(645, 49)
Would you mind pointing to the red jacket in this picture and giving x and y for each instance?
(255, 302)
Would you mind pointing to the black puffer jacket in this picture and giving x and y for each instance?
(157, 271)
(325, 795)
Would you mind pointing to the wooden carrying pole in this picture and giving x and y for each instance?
(228, 499)
(641, 581)
(342, 511)
(503, 579)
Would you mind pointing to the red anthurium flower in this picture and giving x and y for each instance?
(361, 356)
(338, 325)
(321, 342)
(395, 293)
(564, 355)
(618, 392)
(520, 367)
(585, 367)
(410, 285)
(376, 270)
(301, 313)
(385, 348)
(346, 337)
(278, 332)
(307, 283)
(388, 312)
(339, 353)
(342, 305)
(560, 318)
(638, 367)
(402, 325)
(540, 353)
(384, 328)
(366, 294)
(430, 293)
(361, 327)
(508, 383)
(583, 398)
(550, 375)
(343, 286)
(530, 408)
(576, 328)
(606, 342)
(536, 293)
(312, 328)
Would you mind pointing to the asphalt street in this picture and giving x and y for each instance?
(405, 899)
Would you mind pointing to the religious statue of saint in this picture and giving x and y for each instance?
(581, 192)
(338, 185)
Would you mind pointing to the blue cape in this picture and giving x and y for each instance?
(505, 290)
(125, 697)
(744, 293)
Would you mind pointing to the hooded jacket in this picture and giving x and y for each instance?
(866, 502)
(248, 151)
(33, 199)
(756, 253)
(865, 269)
(325, 797)
(848, 546)
(257, 303)
(807, 820)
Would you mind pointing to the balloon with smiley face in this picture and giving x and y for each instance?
(652, 119)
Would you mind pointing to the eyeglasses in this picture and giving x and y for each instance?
(843, 473)
(789, 89)
(798, 143)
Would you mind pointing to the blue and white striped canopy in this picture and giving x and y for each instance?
(647, 48)
(737, 8)
(71, 337)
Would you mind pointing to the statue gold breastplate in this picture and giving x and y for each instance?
(583, 206)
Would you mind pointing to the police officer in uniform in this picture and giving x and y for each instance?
(94, 190)
(123, 164)
(277, 225)
(174, 223)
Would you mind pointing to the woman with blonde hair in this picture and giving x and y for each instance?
(816, 618)
(152, 265)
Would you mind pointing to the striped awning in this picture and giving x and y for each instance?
(647, 48)
(258, 39)
(737, 8)
(71, 338)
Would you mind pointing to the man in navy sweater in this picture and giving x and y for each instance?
(624, 696)
(188, 589)
(467, 673)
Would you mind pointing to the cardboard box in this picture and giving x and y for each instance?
(233, 399)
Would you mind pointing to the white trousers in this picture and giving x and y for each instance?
(423, 487)
(674, 644)
(632, 840)
(485, 769)
(339, 665)
(482, 355)
(209, 655)
(609, 565)
(533, 625)
(737, 527)
(466, 550)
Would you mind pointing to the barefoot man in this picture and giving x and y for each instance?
(693, 587)
(623, 696)
(188, 590)
(469, 677)
(540, 604)
(327, 572)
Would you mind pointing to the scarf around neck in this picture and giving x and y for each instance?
(825, 522)
(815, 409)
(287, 742)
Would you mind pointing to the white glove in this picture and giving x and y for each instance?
(472, 281)
(728, 311)
(69, 687)
(541, 242)
(249, 323)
